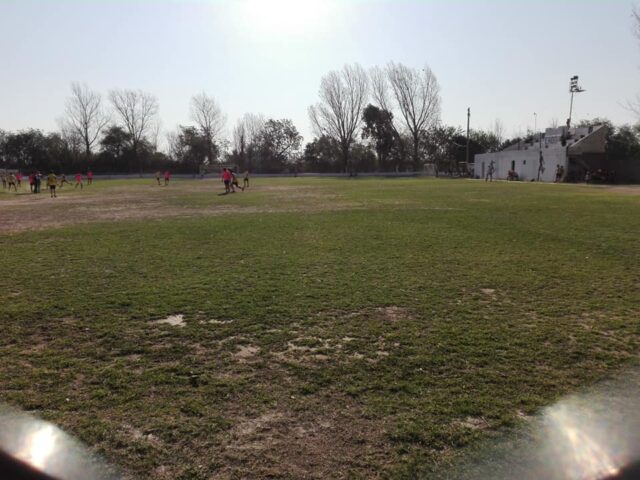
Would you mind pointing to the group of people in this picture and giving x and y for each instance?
(600, 176)
(53, 181)
(167, 177)
(231, 181)
(14, 180)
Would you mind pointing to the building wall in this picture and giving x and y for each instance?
(526, 163)
(595, 142)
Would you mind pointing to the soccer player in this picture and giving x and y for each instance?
(32, 181)
(52, 181)
(78, 181)
(167, 177)
(234, 182)
(158, 177)
(226, 179)
(245, 182)
(12, 181)
(64, 180)
(89, 177)
(19, 180)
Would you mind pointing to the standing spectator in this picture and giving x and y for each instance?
(490, 171)
(38, 182)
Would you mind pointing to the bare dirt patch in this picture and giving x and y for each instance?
(474, 423)
(246, 352)
(304, 354)
(394, 313)
(123, 203)
(317, 442)
(173, 320)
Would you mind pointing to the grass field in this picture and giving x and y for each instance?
(333, 328)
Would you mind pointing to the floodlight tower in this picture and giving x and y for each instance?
(573, 89)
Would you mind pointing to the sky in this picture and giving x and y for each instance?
(504, 59)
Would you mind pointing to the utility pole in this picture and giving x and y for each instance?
(468, 123)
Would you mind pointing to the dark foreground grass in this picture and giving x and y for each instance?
(373, 339)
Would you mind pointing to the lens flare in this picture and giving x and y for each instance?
(39, 447)
(583, 454)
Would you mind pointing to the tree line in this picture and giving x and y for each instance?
(384, 119)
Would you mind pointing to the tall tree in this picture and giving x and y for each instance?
(343, 96)
(207, 114)
(378, 126)
(189, 146)
(85, 116)
(417, 96)
(137, 111)
(281, 139)
(246, 135)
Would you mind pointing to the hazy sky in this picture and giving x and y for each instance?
(504, 59)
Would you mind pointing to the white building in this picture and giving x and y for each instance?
(575, 149)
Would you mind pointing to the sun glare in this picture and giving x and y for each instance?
(285, 16)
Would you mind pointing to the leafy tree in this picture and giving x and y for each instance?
(191, 147)
(378, 127)
(624, 143)
(279, 144)
(322, 155)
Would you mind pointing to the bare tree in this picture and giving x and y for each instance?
(72, 139)
(246, 135)
(498, 130)
(380, 89)
(634, 105)
(247, 131)
(137, 111)
(84, 116)
(380, 92)
(154, 134)
(206, 112)
(417, 95)
(343, 97)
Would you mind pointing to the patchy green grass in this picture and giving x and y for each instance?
(334, 328)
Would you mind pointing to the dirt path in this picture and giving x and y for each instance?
(27, 212)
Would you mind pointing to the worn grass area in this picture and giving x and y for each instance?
(331, 328)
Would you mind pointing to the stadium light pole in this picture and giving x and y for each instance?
(468, 123)
(573, 89)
